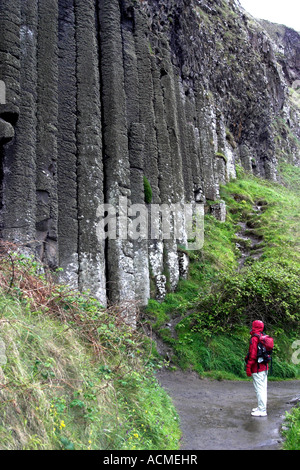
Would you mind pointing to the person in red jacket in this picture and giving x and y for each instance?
(258, 371)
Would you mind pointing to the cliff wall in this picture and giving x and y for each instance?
(101, 99)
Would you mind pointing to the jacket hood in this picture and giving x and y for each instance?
(257, 327)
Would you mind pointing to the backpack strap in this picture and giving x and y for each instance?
(258, 336)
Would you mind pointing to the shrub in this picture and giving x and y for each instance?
(291, 432)
(265, 290)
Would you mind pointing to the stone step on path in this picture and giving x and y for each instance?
(248, 243)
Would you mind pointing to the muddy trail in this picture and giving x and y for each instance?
(216, 415)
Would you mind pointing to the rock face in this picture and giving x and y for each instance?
(100, 97)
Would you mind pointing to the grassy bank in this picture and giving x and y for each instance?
(291, 432)
(74, 375)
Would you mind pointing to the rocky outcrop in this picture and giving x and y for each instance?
(128, 104)
(286, 48)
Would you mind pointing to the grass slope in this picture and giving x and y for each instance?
(73, 376)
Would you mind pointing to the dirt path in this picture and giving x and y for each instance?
(216, 415)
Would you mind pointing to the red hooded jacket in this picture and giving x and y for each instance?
(252, 364)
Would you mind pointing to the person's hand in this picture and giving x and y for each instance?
(248, 372)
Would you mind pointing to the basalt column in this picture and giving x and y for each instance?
(136, 135)
(18, 41)
(10, 23)
(146, 95)
(67, 149)
(206, 140)
(90, 196)
(47, 130)
(170, 92)
(166, 178)
(120, 267)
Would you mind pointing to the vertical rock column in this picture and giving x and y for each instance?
(136, 154)
(170, 91)
(140, 245)
(146, 102)
(204, 115)
(10, 22)
(187, 137)
(47, 129)
(146, 94)
(18, 71)
(67, 151)
(165, 181)
(120, 254)
(90, 198)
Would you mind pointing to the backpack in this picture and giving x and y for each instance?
(264, 348)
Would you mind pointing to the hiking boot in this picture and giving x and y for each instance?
(259, 413)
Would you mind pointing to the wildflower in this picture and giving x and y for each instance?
(136, 435)
(62, 425)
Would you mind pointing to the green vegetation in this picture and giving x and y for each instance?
(213, 310)
(292, 431)
(76, 376)
(221, 155)
(147, 191)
